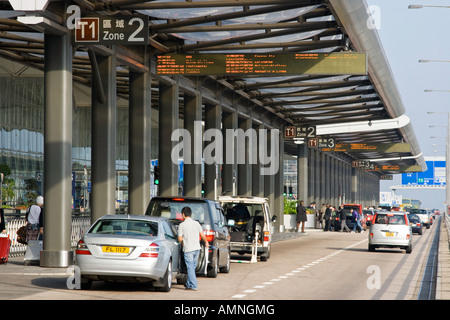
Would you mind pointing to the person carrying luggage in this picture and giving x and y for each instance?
(35, 220)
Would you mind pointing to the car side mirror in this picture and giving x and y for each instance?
(274, 218)
(231, 223)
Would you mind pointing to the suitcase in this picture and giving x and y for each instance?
(5, 245)
(33, 253)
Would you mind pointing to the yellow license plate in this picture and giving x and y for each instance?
(389, 234)
(115, 249)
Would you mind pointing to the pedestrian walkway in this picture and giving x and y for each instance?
(443, 276)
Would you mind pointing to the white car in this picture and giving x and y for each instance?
(251, 223)
(390, 230)
(424, 217)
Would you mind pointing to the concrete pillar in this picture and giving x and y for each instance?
(244, 182)
(212, 185)
(57, 250)
(193, 124)
(168, 123)
(229, 169)
(139, 140)
(278, 181)
(104, 139)
(257, 178)
(302, 172)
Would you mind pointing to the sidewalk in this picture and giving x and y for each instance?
(443, 276)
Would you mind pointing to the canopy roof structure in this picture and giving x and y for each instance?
(243, 26)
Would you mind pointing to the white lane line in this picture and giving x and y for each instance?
(287, 275)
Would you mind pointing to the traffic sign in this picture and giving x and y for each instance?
(109, 30)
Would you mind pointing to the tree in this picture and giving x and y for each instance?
(8, 184)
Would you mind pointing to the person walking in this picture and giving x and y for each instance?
(343, 219)
(35, 220)
(301, 216)
(327, 218)
(357, 221)
(189, 233)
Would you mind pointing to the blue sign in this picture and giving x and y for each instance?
(434, 176)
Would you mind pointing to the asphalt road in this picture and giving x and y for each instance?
(317, 266)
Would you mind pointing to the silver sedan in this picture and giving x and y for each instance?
(129, 248)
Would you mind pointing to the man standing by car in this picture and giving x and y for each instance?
(189, 233)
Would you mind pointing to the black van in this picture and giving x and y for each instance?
(209, 214)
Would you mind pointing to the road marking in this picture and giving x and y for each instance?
(298, 270)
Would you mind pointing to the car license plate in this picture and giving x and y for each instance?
(389, 234)
(109, 249)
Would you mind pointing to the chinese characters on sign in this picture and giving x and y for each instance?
(112, 30)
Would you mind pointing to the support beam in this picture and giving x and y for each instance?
(168, 123)
(139, 140)
(57, 152)
(213, 188)
(192, 168)
(104, 140)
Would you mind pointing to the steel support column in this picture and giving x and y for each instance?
(257, 178)
(213, 188)
(139, 140)
(229, 171)
(57, 152)
(104, 139)
(302, 172)
(168, 123)
(192, 167)
(245, 169)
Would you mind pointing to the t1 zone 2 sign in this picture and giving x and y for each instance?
(112, 30)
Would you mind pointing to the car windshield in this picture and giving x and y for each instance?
(419, 211)
(413, 217)
(386, 218)
(172, 210)
(127, 227)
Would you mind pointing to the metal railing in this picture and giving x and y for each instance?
(79, 226)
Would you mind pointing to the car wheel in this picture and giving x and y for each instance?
(214, 268)
(409, 249)
(227, 267)
(420, 231)
(266, 255)
(371, 248)
(167, 279)
(85, 284)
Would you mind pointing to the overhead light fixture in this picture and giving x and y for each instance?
(299, 140)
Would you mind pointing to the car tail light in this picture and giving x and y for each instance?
(209, 234)
(266, 235)
(151, 251)
(371, 235)
(408, 236)
(82, 248)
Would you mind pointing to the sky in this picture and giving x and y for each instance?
(408, 35)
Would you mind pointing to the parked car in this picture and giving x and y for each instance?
(251, 221)
(415, 223)
(424, 216)
(210, 215)
(349, 210)
(391, 230)
(368, 215)
(129, 248)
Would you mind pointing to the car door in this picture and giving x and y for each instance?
(173, 244)
(222, 234)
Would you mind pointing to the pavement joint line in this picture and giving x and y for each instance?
(315, 262)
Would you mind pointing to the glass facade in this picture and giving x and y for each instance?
(22, 138)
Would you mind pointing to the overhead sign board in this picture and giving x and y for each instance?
(336, 63)
(109, 30)
(364, 147)
(300, 132)
(433, 176)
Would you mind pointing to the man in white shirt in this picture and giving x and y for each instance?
(189, 233)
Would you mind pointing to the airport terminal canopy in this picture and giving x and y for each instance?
(367, 101)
